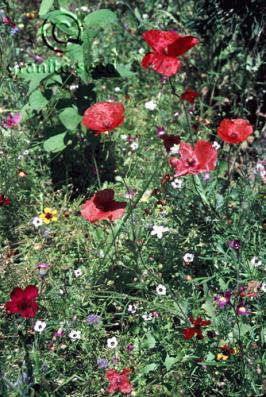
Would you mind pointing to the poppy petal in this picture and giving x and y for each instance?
(31, 292)
(158, 40)
(17, 294)
(182, 45)
(12, 307)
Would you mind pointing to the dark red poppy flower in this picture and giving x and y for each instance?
(103, 206)
(118, 381)
(189, 95)
(4, 201)
(234, 130)
(189, 332)
(23, 301)
(169, 141)
(202, 158)
(167, 46)
(104, 116)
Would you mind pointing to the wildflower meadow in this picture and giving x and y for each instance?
(132, 198)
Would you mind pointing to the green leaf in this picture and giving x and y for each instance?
(37, 101)
(209, 307)
(124, 71)
(46, 5)
(55, 143)
(75, 52)
(150, 341)
(100, 18)
(169, 362)
(70, 118)
(148, 368)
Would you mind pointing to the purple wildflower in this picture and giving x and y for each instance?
(102, 363)
(12, 121)
(130, 347)
(224, 300)
(234, 244)
(14, 30)
(43, 268)
(242, 310)
(160, 131)
(94, 319)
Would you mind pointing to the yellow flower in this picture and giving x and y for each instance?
(235, 351)
(49, 215)
(221, 356)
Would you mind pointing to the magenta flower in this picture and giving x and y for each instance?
(12, 121)
(224, 300)
(234, 244)
(242, 310)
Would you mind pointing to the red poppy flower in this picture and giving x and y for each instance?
(23, 301)
(104, 116)
(118, 381)
(202, 158)
(189, 332)
(189, 95)
(234, 130)
(103, 206)
(169, 141)
(167, 46)
(4, 201)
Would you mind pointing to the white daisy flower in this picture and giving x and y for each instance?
(216, 145)
(147, 316)
(174, 149)
(256, 262)
(177, 183)
(132, 308)
(117, 89)
(134, 146)
(74, 335)
(78, 272)
(39, 326)
(161, 289)
(150, 105)
(112, 342)
(188, 258)
(159, 230)
(36, 222)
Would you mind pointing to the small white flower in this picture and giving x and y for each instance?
(123, 137)
(134, 146)
(147, 316)
(117, 89)
(74, 335)
(159, 230)
(259, 167)
(84, 9)
(112, 342)
(263, 287)
(256, 262)
(188, 258)
(132, 308)
(174, 149)
(177, 183)
(141, 51)
(145, 16)
(36, 222)
(150, 105)
(161, 289)
(216, 145)
(39, 326)
(78, 272)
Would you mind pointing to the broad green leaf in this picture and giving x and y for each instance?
(75, 52)
(46, 5)
(55, 143)
(150, 341)
(124, 71)
(209, 307)
(70, 118)
(100, 18)
(148, 368)
(37, 101)
(169, 362)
